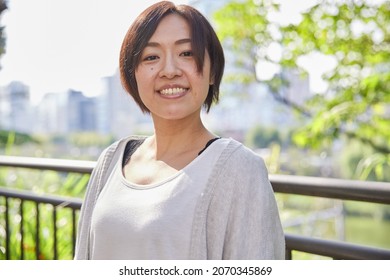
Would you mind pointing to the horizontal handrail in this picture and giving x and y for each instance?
(60, 165)
(335, 249)
(368, 191)
(55, 200)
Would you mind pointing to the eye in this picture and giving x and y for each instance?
(150, 58)
(186, 53)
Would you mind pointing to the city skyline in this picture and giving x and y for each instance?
(53, 46)
(232, 114)
(63, 45)
(114, 112)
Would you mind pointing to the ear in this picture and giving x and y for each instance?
(211, 79)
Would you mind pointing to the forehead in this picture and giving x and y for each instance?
(172, 27)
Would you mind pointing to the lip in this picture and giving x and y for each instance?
(172, 91)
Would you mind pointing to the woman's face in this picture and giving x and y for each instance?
(167, 78)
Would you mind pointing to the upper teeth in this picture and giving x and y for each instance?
(172, 91)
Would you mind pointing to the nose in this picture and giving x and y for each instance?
(170, 68)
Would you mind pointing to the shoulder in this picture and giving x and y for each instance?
(122, 143)
(115, 149)
(239, 169)
(240, 158)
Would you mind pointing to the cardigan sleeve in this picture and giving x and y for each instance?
(104, 166)
(82, 242)
(245, 222)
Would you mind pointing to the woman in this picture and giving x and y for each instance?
(182, 193)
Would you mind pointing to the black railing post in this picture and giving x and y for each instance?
(74, 226)
(288, 253)
(37, 237)
(55, 233)
(21, 229)
(7, 230)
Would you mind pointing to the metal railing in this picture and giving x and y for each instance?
(58, 204)
(377, 192)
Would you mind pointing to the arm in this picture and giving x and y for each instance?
(104, 166)
(82, 243)
(247, 209)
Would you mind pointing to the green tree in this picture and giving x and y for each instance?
(353, 34)
(10, 138)
(263, 137)
(3, 7)
(370, 168)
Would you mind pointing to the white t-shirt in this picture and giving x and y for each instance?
(153, 221)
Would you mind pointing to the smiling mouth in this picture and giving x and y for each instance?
(173, 91)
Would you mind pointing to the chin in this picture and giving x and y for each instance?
(176, 115)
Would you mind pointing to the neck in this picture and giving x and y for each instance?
(174, 137)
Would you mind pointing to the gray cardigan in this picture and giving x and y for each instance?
(236, 218)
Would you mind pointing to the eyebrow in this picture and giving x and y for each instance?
(178, 42)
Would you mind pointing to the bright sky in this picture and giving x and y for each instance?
(54, 45)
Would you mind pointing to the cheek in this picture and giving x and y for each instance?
(145, 73)
(141, 86)
(141, 77)
(145, 85)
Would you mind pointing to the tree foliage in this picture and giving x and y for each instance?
(3, 7)
(9, 138)
(264, 137)
(353, 34)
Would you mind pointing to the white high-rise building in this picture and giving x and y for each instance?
(117, 113)
(65, 112)
(51, 114)
(15, 108)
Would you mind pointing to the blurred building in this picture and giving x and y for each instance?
(111, 112)
(118, 114)
(15, 108)
(66, 112)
